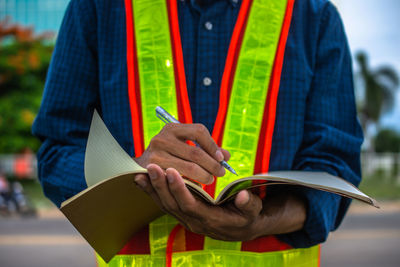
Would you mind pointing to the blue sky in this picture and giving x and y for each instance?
(374, 26)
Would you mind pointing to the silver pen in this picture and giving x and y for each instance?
(163, 115)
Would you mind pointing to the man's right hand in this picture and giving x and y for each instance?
(168, 149)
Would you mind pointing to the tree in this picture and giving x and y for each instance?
(23, 65)
(387, 140)
(380, 86)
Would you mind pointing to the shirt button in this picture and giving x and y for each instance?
(208, 25)
(207, 81)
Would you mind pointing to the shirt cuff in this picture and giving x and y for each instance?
(322, 209)
(325, 212)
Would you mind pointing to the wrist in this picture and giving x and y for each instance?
(281, 214)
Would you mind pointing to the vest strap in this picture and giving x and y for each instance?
(250, 87)
(155, 63)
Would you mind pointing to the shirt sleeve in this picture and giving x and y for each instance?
(69, 98)
(332, 134)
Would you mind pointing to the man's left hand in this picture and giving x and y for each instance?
(244, 219)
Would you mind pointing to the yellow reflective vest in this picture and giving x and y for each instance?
(244, 124)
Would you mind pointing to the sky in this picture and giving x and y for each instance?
(374, 26)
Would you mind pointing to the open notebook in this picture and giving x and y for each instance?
(113, 208)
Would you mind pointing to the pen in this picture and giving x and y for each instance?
(163, 115)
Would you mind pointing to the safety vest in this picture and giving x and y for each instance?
(244, 124)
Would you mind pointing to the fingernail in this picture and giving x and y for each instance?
(152, 174)
(142, 183)
(247, 199)
(170, 178)
(219, 156)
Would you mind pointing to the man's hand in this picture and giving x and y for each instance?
(244, 219)
(169, 149)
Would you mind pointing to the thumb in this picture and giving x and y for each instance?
(248, 203)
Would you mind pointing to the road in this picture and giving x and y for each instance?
(366, 238)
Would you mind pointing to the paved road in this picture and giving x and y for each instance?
(364, 239)
(367, 240)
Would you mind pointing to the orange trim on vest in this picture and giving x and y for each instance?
(319, 256)
(170, 244)
(265, 244)
(268, 125)
(227, 78)
(229, 71)
(133, 81)
(267, 128)
(184, 111)
(138, 243)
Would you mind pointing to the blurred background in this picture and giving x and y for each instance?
(34, 233)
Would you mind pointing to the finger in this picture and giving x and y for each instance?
(213, 217)
(173, 139)
(198, 156)
(187, 168)
(194, 211)
(200, 134)
(187, 203)
(141, 181)
(226, 154)
(158, 181)
(179, 147)
(248, 203)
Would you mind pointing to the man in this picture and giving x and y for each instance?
(102, 61)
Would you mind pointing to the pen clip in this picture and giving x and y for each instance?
(162, 118)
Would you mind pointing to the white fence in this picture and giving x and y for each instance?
(388, 163)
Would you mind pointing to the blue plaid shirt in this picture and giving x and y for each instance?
(316, 125)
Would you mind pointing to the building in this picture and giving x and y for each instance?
(42, 15)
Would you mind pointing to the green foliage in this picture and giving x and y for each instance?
(23, 65)
(380, 86)
(387, 140)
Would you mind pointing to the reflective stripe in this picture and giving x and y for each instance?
(249, 92)
(285, 258)
(157, 83)
(212, 244)
(250, 87)
(267, 129)
(227, 78)
(159, 232)
(155, 63)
